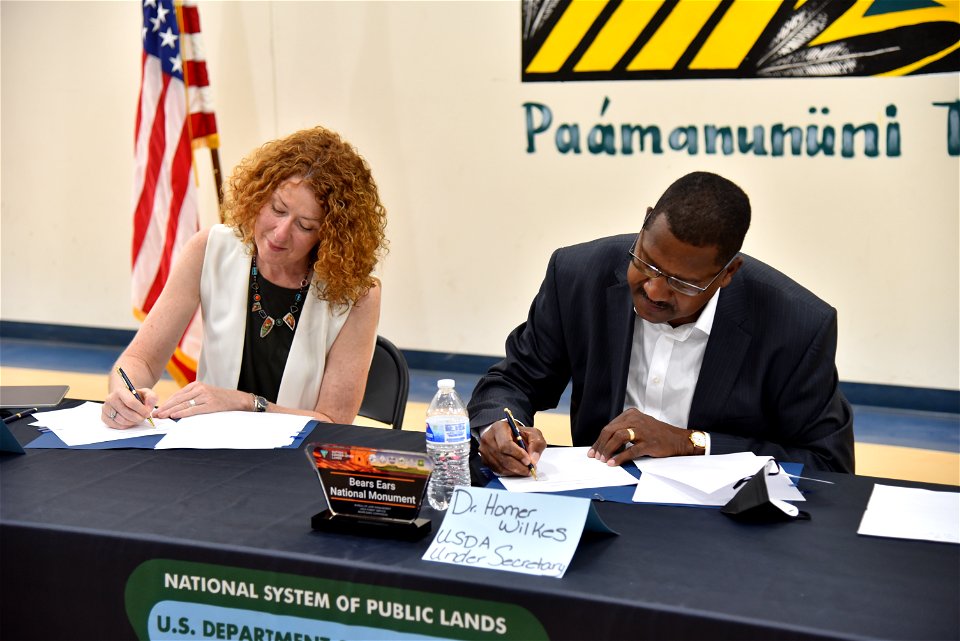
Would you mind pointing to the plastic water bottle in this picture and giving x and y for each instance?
(448, 443)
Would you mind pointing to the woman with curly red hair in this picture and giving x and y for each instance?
(290, 304)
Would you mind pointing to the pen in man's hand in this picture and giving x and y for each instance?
(19, 415)
(519, 438)
(126, 381)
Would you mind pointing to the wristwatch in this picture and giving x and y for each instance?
(699, 439)
(259, 403)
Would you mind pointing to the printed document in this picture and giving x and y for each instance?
(233, 431)
(568, 468)
(82, 425)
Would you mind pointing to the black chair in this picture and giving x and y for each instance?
(388, 385)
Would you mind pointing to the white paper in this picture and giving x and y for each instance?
(912, 513)
(218, 431)
(526, 533)
(233, 431)
(704, 473)
(82, 425)
(706, 480)
(568, 468)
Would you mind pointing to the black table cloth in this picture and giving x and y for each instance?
(79, 531)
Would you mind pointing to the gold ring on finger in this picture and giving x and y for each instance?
(631, 434)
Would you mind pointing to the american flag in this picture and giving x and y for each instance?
(164, 193)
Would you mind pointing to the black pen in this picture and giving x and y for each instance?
(19, 415)
(519, 438)
(126, 381)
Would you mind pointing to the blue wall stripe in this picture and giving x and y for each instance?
(894, 396)
(67, 333)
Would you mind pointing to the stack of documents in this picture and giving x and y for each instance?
(706, 480)
(680, 480)
(233, 431)
(82, 425)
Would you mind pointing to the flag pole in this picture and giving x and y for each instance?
(217, 178)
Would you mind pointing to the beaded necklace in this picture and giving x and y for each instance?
(268, 321)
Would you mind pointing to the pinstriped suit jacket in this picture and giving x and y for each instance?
(768, 382)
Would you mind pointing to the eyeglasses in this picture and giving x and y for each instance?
(677, 285)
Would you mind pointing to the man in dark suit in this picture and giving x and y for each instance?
(676, 344)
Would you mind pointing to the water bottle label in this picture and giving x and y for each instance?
(448, 429)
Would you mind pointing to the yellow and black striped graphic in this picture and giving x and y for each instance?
(685, 39)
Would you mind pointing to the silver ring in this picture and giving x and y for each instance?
(192, 402)
(113, 414)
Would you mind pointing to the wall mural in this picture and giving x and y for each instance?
(566, 40)
(570, 40)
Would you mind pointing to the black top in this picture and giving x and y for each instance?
(264, 359)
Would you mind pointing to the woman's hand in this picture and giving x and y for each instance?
(121, 410)
(200, 398)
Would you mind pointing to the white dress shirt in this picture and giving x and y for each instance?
(665, 366)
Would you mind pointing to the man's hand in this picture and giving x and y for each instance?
(649, 436)
(501, 453)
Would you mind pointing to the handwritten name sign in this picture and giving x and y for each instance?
(528, 533)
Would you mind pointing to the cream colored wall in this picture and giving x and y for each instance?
(430, 94)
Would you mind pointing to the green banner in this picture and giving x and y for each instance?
(167, 599)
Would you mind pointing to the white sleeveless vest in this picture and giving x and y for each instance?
(224, 286)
